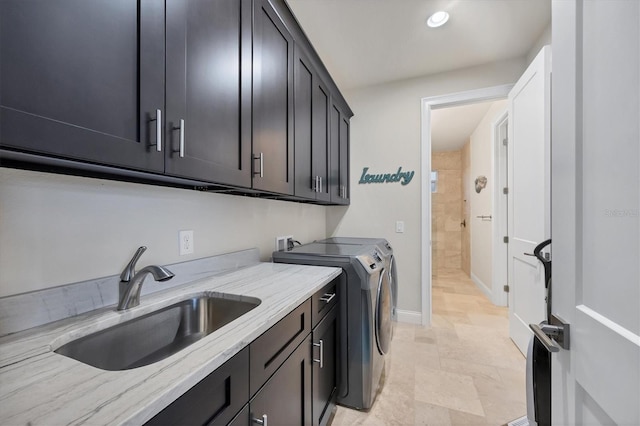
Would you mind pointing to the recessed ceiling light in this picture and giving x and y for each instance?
(438, 19)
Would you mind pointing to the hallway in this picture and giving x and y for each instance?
(464, 370)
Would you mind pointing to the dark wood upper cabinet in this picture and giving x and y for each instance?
(272, 101)
(339, 164)
(205, 94)
(208, 90)
(311, 122)
(83, 80)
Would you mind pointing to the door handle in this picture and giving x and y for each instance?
(553, 334)
(546, 341)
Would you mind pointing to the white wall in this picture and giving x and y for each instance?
(543, 40)
(481, 204)
(57, 229)
(385, 134)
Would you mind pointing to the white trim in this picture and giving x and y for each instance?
(409, 317)
(482, 286)
(499, 223)
(426, 105)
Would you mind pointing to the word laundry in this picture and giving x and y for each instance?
(403, 177)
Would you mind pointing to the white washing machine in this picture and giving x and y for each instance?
(364, 317)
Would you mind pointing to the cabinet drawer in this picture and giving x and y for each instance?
(323, 301)
(215, 400)
(273, 347)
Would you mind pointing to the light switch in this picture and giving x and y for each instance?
(400, 227)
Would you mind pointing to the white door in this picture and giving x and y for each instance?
(596, 211)
(529, 195)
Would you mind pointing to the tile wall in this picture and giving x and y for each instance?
(446, 207)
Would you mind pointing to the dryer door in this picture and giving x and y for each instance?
(383, 313)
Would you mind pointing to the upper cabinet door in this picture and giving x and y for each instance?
(84, 80)
(208, 90)
(272, 102)
(344, 159)
(306, 183)
(339, 164)
(311, 131)
(321, 141)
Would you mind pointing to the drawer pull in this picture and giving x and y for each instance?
(328, 297)
(321, 346)
(262, 421)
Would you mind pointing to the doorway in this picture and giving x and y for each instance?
(428, 267)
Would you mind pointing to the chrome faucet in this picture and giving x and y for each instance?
(131, 282)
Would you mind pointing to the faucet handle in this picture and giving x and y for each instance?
(130, 270)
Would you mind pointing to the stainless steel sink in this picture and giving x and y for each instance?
(158, 335)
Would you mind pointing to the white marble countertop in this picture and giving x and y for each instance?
(39, 386)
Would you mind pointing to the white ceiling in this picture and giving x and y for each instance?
(366, 42)
(451, 127)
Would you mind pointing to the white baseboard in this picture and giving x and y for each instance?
(482, 286)
(410, 317)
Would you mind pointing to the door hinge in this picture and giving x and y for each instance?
(506, 288)
(505, 190)
(505, 240)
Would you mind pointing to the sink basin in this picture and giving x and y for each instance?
(158, 335)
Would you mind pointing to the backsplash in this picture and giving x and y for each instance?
(28, 310)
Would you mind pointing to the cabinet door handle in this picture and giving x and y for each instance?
(315, 184)
(260, 158)
(328, 297)
(158, 121)
(181, 138)
(320, 345)
(262, 421)
(181, 147)
(320, 179)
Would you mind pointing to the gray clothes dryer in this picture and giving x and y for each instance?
(387, 254)
(364, 316)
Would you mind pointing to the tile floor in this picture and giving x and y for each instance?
(464, 370)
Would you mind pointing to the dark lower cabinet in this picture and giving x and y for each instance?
(208, 90)
(324, 338)
(213, 401)
(84, 80)
(286, 398)
(272, 101)
(287, 376)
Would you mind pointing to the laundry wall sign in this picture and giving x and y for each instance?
(403, 177)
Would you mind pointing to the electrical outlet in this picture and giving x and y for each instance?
(186, 242)
(282, 242)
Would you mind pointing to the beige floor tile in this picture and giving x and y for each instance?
(463, 370)
(471, 369)
(431, 415)
(458, 418)
(447, 389)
